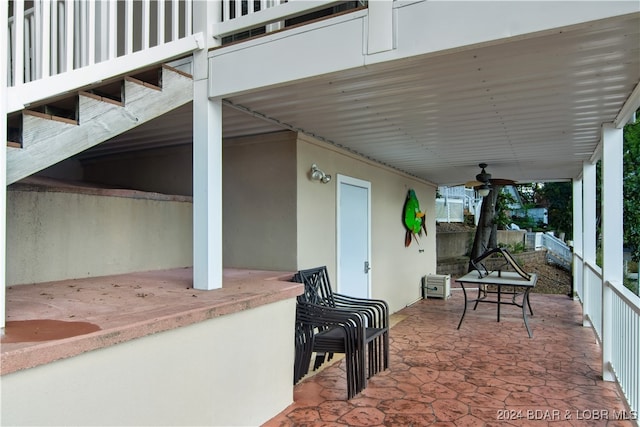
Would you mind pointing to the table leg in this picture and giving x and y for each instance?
(524, 311)
(478, 297)
(465, 305)
(499, 295)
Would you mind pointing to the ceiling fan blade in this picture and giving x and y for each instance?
(472, 184)
(501, 181)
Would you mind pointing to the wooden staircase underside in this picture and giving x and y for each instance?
(47, 140)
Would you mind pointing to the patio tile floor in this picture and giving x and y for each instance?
(485, 374)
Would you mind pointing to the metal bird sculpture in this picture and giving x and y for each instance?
(412, 218)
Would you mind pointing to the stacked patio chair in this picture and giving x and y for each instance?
(329, 323)
(329, 330)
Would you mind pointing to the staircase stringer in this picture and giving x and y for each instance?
(99, 121)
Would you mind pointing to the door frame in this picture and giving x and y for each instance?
(344, 179)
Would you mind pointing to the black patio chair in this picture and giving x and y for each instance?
(323, 329)
(509, 261)
(375, 315)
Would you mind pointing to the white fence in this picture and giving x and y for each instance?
(449, 210)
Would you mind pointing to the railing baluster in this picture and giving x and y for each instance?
(79, 56)
(128, 32)
(188, 17)
(145, 24)
(160, 22)
(28, 46)
(113, 30)
(175, 19)
(18, 37)
(44, 55)
(68, 34)
(91, 36)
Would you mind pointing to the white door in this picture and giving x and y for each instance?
(354, 236)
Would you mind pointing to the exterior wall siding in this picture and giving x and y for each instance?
(53, 235)
(396, 270)
(259, 202)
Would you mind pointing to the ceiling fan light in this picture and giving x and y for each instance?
(484, 190)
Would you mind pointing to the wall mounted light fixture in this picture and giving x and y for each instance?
(319, 175)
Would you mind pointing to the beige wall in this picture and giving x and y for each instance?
(396, 270)
(60, 235)
(195, 375)
(167, 170)
(259, 202)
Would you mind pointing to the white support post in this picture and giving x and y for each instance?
(578, 277)
(380, 28)
(207, 166)
(4, 17)
(612, 235)
(589, 235)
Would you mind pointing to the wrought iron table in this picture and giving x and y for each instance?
(507, 279)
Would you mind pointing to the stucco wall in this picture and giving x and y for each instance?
(396, 270)
(259, 202)
(457, 244)
(54, 235)
(167, 170)
(196, 375)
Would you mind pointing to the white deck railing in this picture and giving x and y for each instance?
(557, 249)
(625, 348)
(624, 317)
(89, 41)
(592, 303)
(83, 36)
(238, 16)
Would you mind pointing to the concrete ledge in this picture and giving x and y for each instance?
(129, 306)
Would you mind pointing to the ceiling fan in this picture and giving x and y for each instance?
(484, 181)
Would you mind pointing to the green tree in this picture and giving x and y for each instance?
(631, 189)
(557, 197)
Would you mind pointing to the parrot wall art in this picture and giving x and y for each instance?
(412, 218)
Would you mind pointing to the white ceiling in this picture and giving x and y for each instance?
(531, 108)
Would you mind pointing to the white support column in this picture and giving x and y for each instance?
(380, 29)
(589, 235)
(612, 234)
(4, 17)
(578, 276)
(207, 165)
